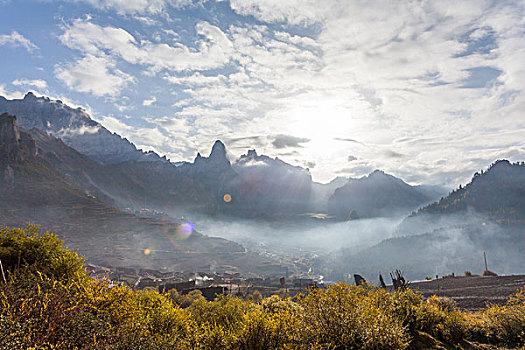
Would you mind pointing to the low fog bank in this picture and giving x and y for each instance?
(318, 237)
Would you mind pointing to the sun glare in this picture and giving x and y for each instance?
(317, 120)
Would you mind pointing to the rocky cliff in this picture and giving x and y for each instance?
(15, 146)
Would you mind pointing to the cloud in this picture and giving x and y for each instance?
(346, 140)
(137, 6)
(84, 129)
(173, 125)
(440, 87)
(149, 102)
(309, 165)
(394, 154)
(357, 171)
(96, 75)
(38, 83)
(290, 11)
(10, 95)
(115, 125)
(284, 141)
(213, 49)
(15, 39)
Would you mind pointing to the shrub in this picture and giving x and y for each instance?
(501, 324)
(42, 252)
(350, 317)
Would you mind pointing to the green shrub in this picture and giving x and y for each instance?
(350, 317)
(43, 252)
(501, 324)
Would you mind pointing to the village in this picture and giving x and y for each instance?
(209, 284)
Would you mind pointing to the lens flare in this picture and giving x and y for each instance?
(227, 198)
(147, 251)
(184, 231)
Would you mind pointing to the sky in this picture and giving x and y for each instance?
(429, 91)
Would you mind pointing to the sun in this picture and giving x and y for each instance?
(321, 122)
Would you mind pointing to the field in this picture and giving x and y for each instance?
(472, 293)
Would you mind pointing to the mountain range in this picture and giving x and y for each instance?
(74, 127)
(259, 186)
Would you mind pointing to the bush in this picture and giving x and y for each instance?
(44, 253)
(350, 317)
(501, 324)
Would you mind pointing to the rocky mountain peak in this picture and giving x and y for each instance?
(218, 151)
(30, 96)
(377, 173)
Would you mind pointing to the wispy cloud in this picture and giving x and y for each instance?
(137, 6)
(285, 141)
(16, 39)
(149, 102)
(38, 83)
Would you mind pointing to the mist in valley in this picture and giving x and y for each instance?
(420, 246)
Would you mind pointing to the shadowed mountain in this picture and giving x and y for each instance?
(496, 195)
(256, 186)
(130, 184)
(267, 187)
(377, 194)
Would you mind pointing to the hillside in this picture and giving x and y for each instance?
(50, 300)
(498, 194)
(33, 189)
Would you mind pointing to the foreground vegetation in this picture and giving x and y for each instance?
(48, 302)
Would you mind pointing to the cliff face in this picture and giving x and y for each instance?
(15, 146)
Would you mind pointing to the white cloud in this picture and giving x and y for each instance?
(15, 39)
(137, 6)
(290, 11)
(213, 50)
(115, 125)
(84, 129)
(149, 102)
(95, 75)
(38, 83)
(387, 74)
(10, 95)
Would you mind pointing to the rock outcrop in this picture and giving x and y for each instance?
(15, 146)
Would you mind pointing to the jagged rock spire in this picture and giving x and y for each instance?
(15, 146)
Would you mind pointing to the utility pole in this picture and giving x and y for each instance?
(485, 256)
